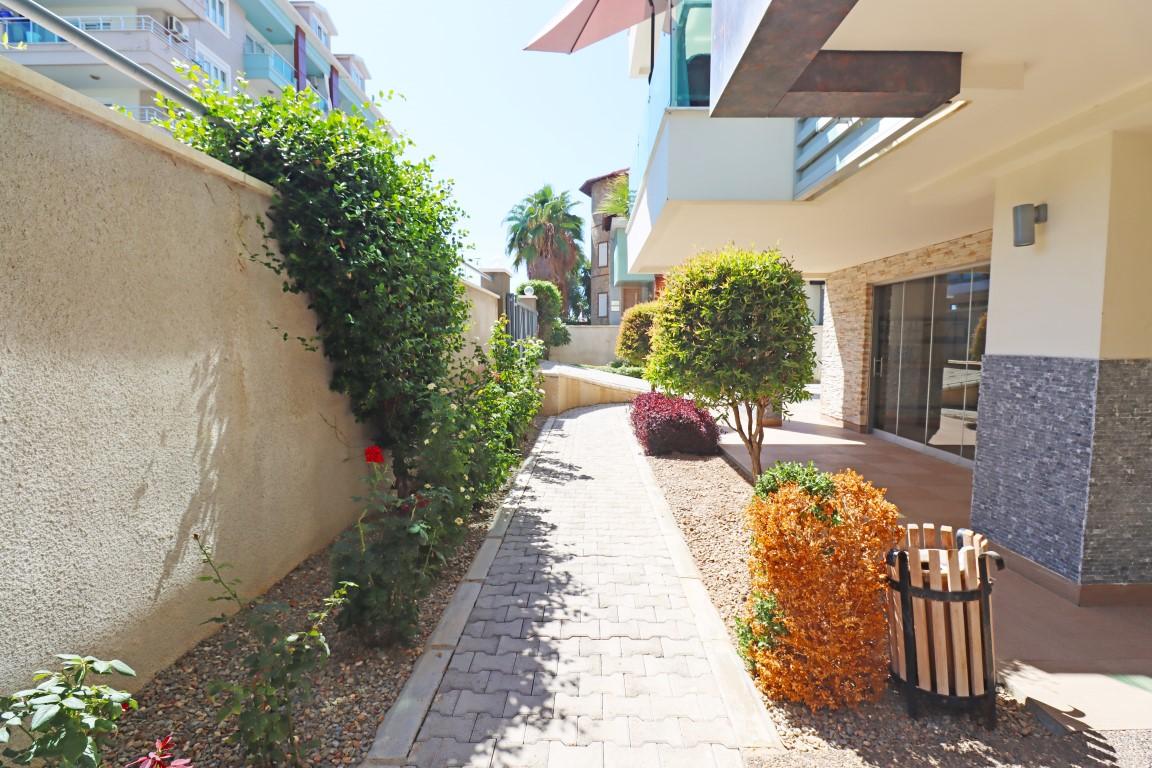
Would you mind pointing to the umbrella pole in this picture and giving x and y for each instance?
(651, 40)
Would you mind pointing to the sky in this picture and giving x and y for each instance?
(499, 121)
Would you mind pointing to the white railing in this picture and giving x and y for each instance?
(471, 273)
(20, 30)
(147, 114)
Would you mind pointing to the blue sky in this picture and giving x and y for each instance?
(500, 121)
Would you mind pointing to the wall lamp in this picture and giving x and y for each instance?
(1024, 220)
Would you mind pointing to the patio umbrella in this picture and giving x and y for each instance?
(584, 22)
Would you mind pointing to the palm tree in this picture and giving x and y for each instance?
(547, 237)
(618, 198)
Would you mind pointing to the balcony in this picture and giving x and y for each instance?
(266, 69)
(703, 181)
(141, 37)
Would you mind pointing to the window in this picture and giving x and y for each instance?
(322, 32)
(218, 14)
(601, 305)
(218, 72)
(602, 254)
(815, 291)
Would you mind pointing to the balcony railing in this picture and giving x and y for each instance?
(321, 98)
(262, 62)
(24, 31)
(680, 72)
(148, 115)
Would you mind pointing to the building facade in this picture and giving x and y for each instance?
(613, 290)
(272, 44)
(974, 206)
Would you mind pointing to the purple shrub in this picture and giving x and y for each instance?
(666, 424)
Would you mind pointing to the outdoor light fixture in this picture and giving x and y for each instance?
(529, 290)
(1024, 220)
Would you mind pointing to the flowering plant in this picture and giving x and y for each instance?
(161, 756)
(374, 454)
(65, 717)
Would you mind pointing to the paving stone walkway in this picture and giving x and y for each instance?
(582, 648)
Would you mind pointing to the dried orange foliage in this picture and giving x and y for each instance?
(826, 570)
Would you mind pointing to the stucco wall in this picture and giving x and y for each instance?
(848, 317)
(145, 390)
(590, 345)
(484, 311)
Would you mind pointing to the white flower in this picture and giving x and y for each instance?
(432, 387)
(471, 450)
(453, 406)
(428, 485)
(435, 430)
(427, 441)
(462, 489)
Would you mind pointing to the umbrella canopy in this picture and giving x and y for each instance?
(584, 22)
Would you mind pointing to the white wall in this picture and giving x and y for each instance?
(591, 345)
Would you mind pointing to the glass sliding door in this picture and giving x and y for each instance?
(928, 341)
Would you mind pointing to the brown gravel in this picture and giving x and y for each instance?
(707, 497)
(352, 692)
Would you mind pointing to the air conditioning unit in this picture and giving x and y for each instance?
(177, 29)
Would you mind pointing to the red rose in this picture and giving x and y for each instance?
(373, 454)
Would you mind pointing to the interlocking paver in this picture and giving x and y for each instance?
(581, 649)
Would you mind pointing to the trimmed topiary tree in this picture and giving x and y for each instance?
(814, 628)
(549, 310)
(733, 331)
(634, 343)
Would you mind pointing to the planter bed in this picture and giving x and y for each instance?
(708, 498)
(352, 692)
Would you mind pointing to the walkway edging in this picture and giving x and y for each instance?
(397, 734)
(750, 720)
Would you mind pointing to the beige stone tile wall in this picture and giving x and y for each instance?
(848, 317)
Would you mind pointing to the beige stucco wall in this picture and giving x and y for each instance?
(484, 311)
(1081, 290)
(590, 345)
(145, 390)
(848, 317)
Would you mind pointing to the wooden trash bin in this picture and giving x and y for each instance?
(940, 619)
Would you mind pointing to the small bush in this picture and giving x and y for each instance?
(470, 443)
(549, 313)
(815, 626)
(634, 343)
(666, 424)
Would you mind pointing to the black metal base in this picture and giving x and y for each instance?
(982, 707)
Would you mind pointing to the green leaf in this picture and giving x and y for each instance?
(73, 703)
(122, 668)
(42, 715)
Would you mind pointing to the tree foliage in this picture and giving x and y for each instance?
(618, 198)
(733, 331)
(549, 311)
(370, 237)
(634, 343)
(547, 238)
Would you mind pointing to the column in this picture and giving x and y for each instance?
(1063, 472)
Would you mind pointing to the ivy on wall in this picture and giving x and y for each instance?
(369, 236)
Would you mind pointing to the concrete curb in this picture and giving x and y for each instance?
(750, 720)
(395, 736)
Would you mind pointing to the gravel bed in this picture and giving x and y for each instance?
(351, 694)
(708, 497)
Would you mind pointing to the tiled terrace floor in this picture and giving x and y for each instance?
(587, 645)
(1092, 664)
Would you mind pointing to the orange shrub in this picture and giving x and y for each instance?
(815, 630)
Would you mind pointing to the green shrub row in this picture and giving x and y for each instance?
(474, 432)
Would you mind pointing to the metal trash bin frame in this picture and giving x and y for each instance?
(940, 637)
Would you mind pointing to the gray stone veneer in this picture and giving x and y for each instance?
(1118, 534)
(1063, 474)
(1030, 482)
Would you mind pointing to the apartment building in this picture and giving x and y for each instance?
(271, 43)
(972, 182)
(613, 290)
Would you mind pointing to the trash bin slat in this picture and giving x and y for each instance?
(975, 642)
(939, 623)
(956, 619)
(920, 623)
